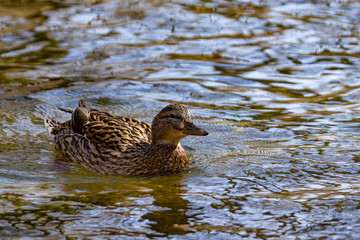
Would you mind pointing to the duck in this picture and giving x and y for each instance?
(106, 144)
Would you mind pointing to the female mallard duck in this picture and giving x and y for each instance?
(113, 145)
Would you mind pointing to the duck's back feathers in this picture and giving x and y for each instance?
(115, 132)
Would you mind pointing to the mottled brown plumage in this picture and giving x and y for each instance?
(113, 145)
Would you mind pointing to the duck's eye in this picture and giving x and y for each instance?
(172, 116)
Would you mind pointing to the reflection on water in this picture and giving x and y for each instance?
(274, 82)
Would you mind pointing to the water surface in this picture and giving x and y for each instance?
(276, 83)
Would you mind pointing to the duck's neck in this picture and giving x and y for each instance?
(166, 142)
(163, 149)
(166, 157)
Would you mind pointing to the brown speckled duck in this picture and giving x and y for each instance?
(113, 145)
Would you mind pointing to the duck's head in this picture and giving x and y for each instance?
(172, 124)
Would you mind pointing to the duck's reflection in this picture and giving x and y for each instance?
(172, 219)
(153, 206)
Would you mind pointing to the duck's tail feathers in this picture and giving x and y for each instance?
(82, 103)
(65, 110)
(79, 117)
(50, 125)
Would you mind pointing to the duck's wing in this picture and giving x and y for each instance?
(115, 132)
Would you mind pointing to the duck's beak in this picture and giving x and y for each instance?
(191, 129)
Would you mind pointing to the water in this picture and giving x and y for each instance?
(276, 83)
